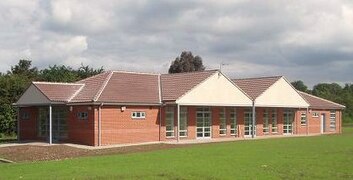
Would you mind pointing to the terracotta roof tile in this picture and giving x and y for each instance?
(176, 85)
(93, 85)
(58, 92)
(320, 103)
(254, 87)
(131, 88)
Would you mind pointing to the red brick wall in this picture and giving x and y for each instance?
(28, 127)
(119, 127)
(81, 131)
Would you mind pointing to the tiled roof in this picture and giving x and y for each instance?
(320, 103)
(254, 87)
(93, 85)
(176, 85)
(58, 92)
(131, 87)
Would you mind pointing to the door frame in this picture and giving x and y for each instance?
(291, 124)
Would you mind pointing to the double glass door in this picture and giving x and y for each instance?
(59, 122)
(203, 122)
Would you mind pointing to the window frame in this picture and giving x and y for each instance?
(315, 114)
(333, 120)
(303, 119)
(169, 111)
(266, 122)
(183, 117)
(135, 116)
(274, 121)
(222, 117)
(80, 117)
(233, 121)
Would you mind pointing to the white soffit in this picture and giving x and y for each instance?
(281, 94)
(33, 96)
(216, 90)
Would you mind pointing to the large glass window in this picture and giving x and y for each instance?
(169, 121)
(333, 120)
(265, 121)
(183, 122)
(274, 121)
(233, 121)
(222, 121)
(303, 119)
(43, 122)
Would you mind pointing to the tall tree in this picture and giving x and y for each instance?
(59, 74)
(299, 85)
(186, 62)
(24, 68)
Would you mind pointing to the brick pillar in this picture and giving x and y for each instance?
(215, 122)
(191, 122)
(240, 121)
(280, 120)
(259, 121)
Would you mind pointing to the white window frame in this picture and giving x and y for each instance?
(303, 119)
(222, 117)
(332, 120)
(233, 121)
(82, 115)
(316, 114)
(138, 115)
(183, 117)
(274, 121)
(266, 120)
(169, 112)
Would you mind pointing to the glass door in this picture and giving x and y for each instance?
(203, 122)
(59, 120)
(288, 118)
(248, 127)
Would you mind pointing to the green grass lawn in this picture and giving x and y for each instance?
(319, 157)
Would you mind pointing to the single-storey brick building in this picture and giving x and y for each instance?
(118, 107)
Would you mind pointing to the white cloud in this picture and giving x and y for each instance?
(294, 38)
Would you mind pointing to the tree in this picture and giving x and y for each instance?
(299, 85)
(331, 91)
(24, 68)
(186, 63)
(59, 74)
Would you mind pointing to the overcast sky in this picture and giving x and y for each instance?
(311, 40)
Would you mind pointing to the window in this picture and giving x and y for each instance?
(222, 122)
(303, 119)
(333, 120)
(82, 115)
(274, 121)
(315, 114)
(169, 121)
(183, 122)
(265, 123)
(138, 115)
(43, 123)
(25, 115)
(233, 121)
